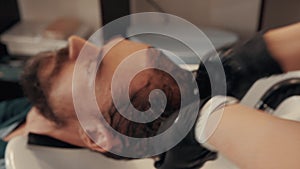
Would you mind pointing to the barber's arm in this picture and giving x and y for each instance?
(284, 45)
(253, 139)
(243, 65)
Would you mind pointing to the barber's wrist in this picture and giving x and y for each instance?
(210, 116)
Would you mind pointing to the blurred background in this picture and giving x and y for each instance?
(30, 26)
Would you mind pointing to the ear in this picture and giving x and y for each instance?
(102, 140)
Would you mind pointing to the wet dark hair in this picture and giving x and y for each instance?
(157, 79)
(36, 86)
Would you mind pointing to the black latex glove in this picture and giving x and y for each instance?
(243, 66)
(188, 154)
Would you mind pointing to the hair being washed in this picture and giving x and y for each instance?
(156, 79)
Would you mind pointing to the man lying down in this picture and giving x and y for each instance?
(47, 81)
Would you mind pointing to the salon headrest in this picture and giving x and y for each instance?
(43, 140)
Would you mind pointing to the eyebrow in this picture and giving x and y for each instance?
(49, 65)
(60, 57)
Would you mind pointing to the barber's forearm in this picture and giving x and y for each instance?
(284, 44)
(252, 139)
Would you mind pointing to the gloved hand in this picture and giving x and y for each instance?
(188, 154)
(243, 66)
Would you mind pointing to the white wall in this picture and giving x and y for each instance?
(279, 13)
(237, 15)
(240, 16)
(47, 10)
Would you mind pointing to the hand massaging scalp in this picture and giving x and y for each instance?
(85, 95)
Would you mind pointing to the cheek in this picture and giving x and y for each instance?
(61, 95)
